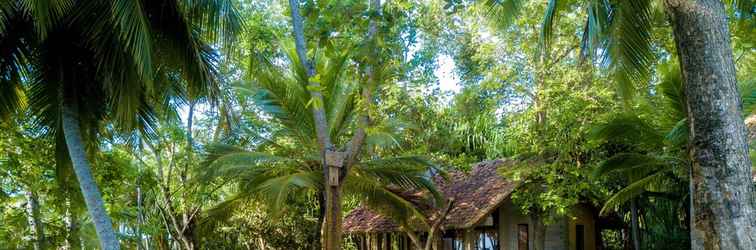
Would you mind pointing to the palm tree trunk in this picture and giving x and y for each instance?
(331, 230)
(723, 215)
(321, 124)
(332, 233)
(92, 196)
(35, 223)
(187, 219)
(634, 234)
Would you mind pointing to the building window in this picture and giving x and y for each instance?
(453, 241)
(488, 232)
(488, 239)
(579, 237)
(522, 237)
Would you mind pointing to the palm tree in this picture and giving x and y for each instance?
(656, 145)
(655, 164)
(620, 31)
(337, 169)
(287, 161)
(653, 157)
(79, 64)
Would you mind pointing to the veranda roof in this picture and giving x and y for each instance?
(476, 195)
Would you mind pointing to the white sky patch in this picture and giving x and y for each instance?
(199, 112)
(448, 80)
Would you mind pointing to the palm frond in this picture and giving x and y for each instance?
(171, 96)
(15, 54)
(633, 165)
(281, 91)
(281, 96)
(45, 13)
(12, 97)
(629, 129)
(224, 160)
(224, 209)
(596, 28)
(409, 173)
(340, 93)
(671, 87)
(505, 11)
(134, 31)
(629, 45)
(182, 48)
(277, 190)
(547, 26)
(678, 135)
(377, 196)
(631, 191)
(121, 49)
(218, 20)
(381, 139)
(7, 11)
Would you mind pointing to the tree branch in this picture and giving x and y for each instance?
(358, 140)
(438, 223)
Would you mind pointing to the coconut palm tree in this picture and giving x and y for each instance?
(337, 169)
(78, 64)
(657, 146)
(654, 160)
(287, 161)
(620, 31)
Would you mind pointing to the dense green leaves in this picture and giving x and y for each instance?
(585, 94)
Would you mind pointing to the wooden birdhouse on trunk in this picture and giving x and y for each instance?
(335, 161)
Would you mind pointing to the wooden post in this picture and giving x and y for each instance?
(365, 242)
(335, 161)
(386, 241)
(469, 239)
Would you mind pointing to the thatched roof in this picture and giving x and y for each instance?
(475, 195)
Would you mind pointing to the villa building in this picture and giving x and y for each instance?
(482, 217)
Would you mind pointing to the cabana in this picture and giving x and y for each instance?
(482, 217)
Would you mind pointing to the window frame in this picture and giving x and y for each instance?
(519, 231)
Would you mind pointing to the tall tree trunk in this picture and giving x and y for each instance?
(331, 230)
(332, 233)
(722, 192)
(35, 222)
(187, 215)
(92, 196)
(634, 234)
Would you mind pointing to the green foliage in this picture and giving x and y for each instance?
(586, 94)
(651, 162)
(286, 166)
(251, 225)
